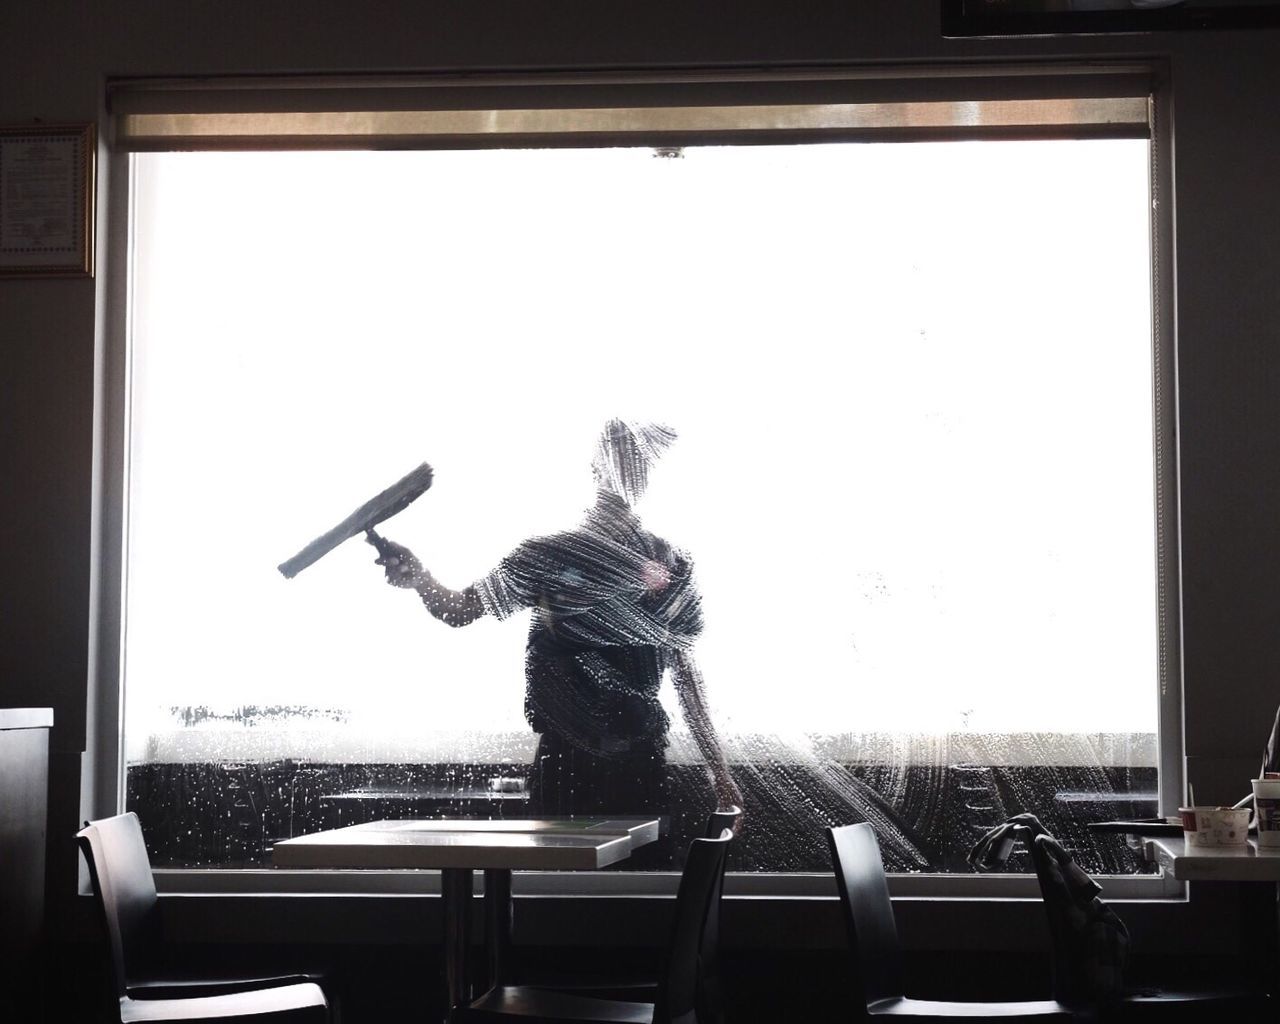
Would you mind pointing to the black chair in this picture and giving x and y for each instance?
(679, 985)
(1077, 928)
(643, 987)
(710, 991)
(120, 871)
(873, 934)
(719, 820)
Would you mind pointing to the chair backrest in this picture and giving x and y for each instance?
(697, 906)
(710, 999)
(719, 820)
(126, 892)
(868, 912)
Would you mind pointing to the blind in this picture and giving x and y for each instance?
(919, 103)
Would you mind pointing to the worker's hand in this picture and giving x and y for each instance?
(401, 566)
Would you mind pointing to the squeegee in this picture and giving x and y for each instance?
(395, 498)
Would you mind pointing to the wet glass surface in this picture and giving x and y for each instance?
(815, 475)
(220, 816)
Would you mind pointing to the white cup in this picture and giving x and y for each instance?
(1215, 826)
(1266, 802)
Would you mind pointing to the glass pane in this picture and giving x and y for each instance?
(911, 489)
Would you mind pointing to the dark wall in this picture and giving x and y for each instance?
(55, 55)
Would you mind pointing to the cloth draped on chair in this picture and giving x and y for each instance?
(1090, 942)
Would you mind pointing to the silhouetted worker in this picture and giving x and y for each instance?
(614, 607)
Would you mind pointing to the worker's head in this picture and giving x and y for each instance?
(625, 452)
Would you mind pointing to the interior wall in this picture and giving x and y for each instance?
(56, 54)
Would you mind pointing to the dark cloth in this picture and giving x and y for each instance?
(1090, 942)
(612, 604)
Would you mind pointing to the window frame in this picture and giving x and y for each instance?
(104, 767)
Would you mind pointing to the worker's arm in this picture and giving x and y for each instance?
(693, 704)
(402, 568)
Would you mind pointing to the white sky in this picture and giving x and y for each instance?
(912, 384)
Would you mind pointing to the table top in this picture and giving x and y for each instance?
(26, 718)
(427, 794)
(582, 844)
(1217, 864)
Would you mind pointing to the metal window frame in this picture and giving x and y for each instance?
(103, 792)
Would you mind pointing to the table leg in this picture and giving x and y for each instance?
(1261, 914)
(1273, 943)
(497, 922)
(455, 889)
(1259, 904)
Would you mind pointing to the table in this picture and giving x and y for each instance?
(24, 783)
(1229, 864)
(1213, 864)
(458, 847)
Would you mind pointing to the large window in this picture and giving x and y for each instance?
(912, 388)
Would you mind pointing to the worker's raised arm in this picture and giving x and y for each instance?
(402, 568)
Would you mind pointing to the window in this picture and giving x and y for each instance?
(912, 387)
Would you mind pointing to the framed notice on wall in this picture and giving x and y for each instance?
(46, 200)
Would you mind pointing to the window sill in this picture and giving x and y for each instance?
(604, 920)
(620, 884)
